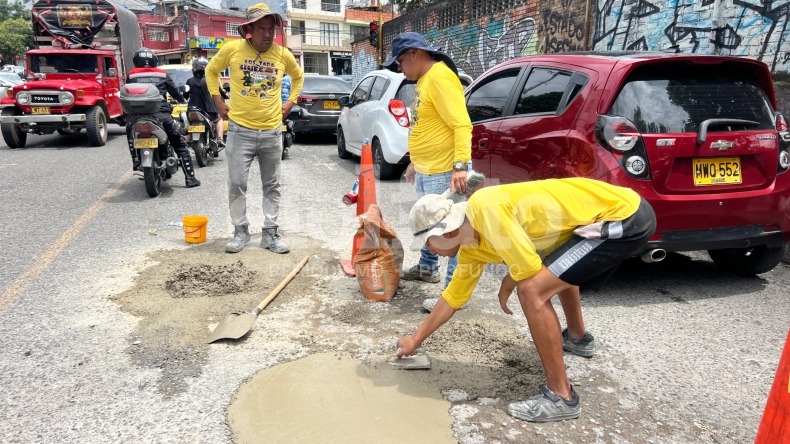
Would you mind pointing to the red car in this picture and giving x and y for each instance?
(697, 136)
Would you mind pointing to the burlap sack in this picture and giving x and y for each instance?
(378, 261)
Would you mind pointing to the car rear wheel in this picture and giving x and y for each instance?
(748, 261)
(341, 145)
(381, 168)
(13, 137)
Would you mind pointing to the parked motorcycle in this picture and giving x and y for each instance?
(157, 157)
(288, 129)
(203, 134)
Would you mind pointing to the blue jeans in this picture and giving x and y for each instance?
(434, 184)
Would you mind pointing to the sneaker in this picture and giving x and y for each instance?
(271, 240)
(429, 304)
(241, 235)
(584, 347)
(546, 406)
(417, 273)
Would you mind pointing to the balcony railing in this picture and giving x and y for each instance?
(332, 40)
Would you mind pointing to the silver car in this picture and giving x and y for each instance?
(378, 110)
(7, 81)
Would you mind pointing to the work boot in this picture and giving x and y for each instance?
(241, 235)
(271, 240)
(189, 172)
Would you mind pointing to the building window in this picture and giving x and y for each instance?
(298, 28)
(158, 35)
(299, 4)
(316, 63)
(359, 33)
(330, 5)
(232, 28)
(330, 34)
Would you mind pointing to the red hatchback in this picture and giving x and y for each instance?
(697, 136)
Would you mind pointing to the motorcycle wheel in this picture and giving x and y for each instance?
(201, 153)
(153, 181)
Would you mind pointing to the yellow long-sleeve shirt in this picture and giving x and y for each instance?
(440, 132)
(255, 82)
(521, 223)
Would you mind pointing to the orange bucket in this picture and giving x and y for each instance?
(195, 229)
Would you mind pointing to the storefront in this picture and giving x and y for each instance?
(341, 62)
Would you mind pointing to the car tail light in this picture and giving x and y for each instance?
(144, 128)
(620, 136)
(306, 100)
(784, 143)
(399, 112)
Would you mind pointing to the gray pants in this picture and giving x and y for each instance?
(244, 144)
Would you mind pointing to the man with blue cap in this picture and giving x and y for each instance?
(440, 134)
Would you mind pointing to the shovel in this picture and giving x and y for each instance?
(236, 325)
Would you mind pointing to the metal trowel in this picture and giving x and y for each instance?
(418, 361)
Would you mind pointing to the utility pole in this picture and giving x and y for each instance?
(380, 49)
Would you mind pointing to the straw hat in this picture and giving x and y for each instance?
(434, 215)
(257, 12)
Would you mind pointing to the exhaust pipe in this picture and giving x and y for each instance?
(654, 255)
(171, 162)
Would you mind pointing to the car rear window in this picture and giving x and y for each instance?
(677, 99)
(406, 92)
(325, 85)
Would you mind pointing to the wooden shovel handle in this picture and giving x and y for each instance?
(280, 287)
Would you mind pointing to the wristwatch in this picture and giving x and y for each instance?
(459, 166)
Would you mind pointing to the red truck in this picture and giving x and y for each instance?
(84, 55)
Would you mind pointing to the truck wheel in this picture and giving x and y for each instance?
(13, 137)
(97, 126)
(748, 261)
(153, 181)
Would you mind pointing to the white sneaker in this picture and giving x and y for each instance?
(429, 304)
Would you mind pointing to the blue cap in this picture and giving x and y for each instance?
(415, 40)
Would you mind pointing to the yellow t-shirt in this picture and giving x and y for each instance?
(440, 131)
(518, 224)
(255, 82)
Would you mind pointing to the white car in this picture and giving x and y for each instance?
(378, 110)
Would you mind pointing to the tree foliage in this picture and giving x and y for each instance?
(406, 6)
(10, 9)
(16, 36)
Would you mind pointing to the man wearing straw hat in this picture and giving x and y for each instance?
(582, 228)
(257, 66)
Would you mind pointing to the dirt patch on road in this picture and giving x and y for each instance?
(481, 360)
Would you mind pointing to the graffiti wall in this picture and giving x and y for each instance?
(478, 34)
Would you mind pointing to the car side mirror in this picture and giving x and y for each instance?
(112, 72)
(343, 101)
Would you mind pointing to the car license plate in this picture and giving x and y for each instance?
(39, 110)
(284, 129)
(717, 171)
(331, 104)
(196, 129)
(146, 143)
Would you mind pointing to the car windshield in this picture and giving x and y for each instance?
(179, 75)
(64, 63)
(325, 85)
(11, 77)
(673, 100)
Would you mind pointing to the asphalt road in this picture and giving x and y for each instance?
(698, 345)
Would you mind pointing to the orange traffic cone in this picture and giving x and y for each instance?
(366, 196)
(775, 425)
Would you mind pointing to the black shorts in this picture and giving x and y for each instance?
(599, 248)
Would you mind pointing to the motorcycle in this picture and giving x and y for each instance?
(288, 129)
(147, 136)
(203, 134)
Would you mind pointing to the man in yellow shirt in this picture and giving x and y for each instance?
(440, 134)
(584, 228)
(257, 66)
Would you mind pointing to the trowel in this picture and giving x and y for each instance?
(418, 361)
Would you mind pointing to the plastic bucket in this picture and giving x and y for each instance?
(195, 229)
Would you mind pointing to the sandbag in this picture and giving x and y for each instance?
(380, 257)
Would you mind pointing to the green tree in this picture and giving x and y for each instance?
(13, 9)
(16, 36)
(405, 6)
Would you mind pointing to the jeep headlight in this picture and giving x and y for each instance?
(66, 98)
(23, 98)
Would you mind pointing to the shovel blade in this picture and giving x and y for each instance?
(234, 326)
